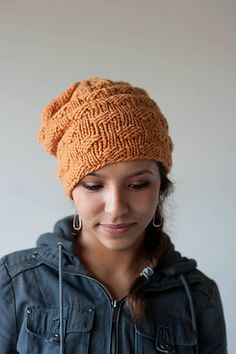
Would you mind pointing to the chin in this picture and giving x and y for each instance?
(118, 245)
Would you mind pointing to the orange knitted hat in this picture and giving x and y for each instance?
(98, 122)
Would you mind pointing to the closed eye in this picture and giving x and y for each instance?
(92, 187)
(96, 187)
(138, 186)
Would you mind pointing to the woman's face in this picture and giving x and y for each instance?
(116, 203)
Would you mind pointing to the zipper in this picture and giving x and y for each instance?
(115, 309)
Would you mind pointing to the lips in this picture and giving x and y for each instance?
(117, 228)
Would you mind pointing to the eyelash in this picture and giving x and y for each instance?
(93, 188)
(140, 186)
(96, 187)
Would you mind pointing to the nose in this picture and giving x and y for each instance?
(116, 203)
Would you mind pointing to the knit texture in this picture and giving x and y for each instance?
(98, 122)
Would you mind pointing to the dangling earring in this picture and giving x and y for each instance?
(154, 222)
(77, 223)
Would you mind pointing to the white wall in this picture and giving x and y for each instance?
(183, 53)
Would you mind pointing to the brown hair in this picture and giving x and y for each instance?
(155, 248)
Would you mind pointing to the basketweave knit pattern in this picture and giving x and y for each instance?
(98, 122)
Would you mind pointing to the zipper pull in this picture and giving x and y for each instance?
(114, 310)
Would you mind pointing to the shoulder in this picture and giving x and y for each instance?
(209, 314)
(17, 262)
(206, 298)
(205, 287)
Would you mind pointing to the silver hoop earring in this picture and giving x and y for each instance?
(154, 222)
(77, 223)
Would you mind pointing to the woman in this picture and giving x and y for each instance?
(108, 279)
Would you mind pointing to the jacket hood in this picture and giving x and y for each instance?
(172, 262)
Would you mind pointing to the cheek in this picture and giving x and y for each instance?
(145, 205)
(88, 206)
(150, 197)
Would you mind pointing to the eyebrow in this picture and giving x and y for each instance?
(134, 174)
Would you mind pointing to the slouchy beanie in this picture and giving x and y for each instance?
(97, 122)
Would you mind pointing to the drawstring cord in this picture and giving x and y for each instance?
(60, 298)
(191, 305)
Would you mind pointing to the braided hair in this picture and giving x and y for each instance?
(155, 244)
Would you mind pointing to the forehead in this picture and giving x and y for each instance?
(127, 168)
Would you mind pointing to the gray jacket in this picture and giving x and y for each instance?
(50, 304)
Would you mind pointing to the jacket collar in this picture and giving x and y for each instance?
(166, 274)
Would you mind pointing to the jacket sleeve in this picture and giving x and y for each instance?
(212, 332)
(8, 331)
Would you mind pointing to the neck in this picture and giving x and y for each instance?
(116, 269)
(102, 258)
